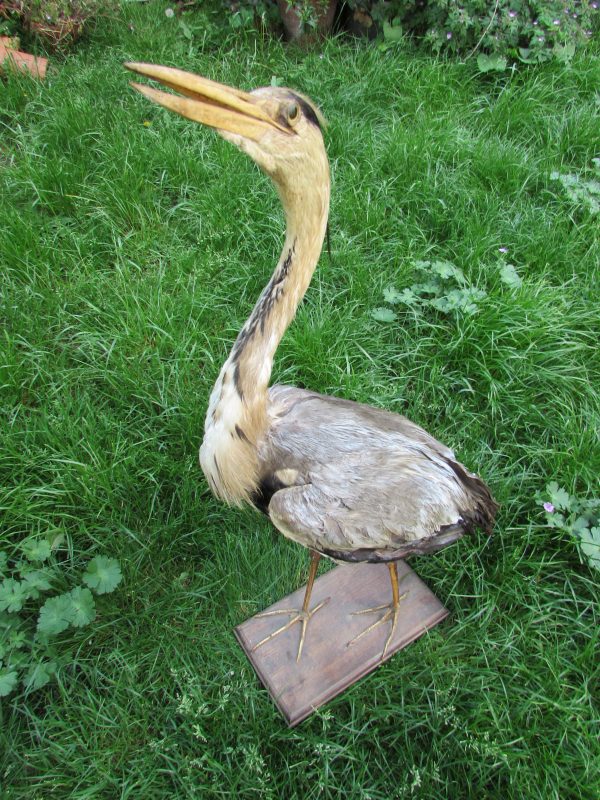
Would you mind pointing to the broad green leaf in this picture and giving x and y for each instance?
(55, 615)
(8, 681)
(558, 496)
(579, 525)
(447, 270)
(39, 674)
(103, 574)
(84, 607)
(491, 63)
(36, 549)
(590, 546)
(430, 287)
(564, 53)
(383, 314)
(459, 300)
(510, 276)
(392, 296)
(12, 595)
(442, 304)
(36, 581)
(19, 659)
(392, 33)
(408, 297)
(582, 192)
(17, 639)
(529, 56)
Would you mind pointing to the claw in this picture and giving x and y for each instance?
(299, 615)
(391, 612)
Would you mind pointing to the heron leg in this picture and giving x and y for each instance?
(302, 615)
(390, 611)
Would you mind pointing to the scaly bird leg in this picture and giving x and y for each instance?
(391, 611)
(298, 615)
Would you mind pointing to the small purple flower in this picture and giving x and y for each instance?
(594, 5)
(556, 22)
(503, 249)
(512, 14)
(449, 35)
(535, 22)
(540, 38)
(549, 508)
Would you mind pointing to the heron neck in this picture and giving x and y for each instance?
(237, 411)
(252, 355)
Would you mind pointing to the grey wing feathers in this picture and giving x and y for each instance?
(357, 483)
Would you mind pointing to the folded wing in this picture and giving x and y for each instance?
(358, 483)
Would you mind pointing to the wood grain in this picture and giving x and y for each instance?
(328, 665)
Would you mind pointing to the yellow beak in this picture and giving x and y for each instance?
(206, 101)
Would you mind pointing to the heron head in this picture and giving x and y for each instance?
(278, 128)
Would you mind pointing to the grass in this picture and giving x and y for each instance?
(132, 253)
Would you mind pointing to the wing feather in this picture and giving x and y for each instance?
(368, 484)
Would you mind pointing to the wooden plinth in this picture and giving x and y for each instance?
(327, 665)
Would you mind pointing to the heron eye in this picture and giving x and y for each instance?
(293, 112)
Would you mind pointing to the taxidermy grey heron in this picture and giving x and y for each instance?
(345, 480)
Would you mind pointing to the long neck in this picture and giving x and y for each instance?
(237, 414)
(253, 352)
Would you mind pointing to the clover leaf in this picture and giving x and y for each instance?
(83, 607)
(383, 314)
(8, 681)
(510, 276)
(55, 615)
(36, 549)
(12, 595)
(392, 296)
(590, 545)
(35, 581)
(558, 496)
(103, 574)
(447, 270)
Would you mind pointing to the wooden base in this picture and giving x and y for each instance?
(327, 665)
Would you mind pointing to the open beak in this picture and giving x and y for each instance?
(206, 101)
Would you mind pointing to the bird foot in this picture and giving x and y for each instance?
(391, 614)
(298, 615)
